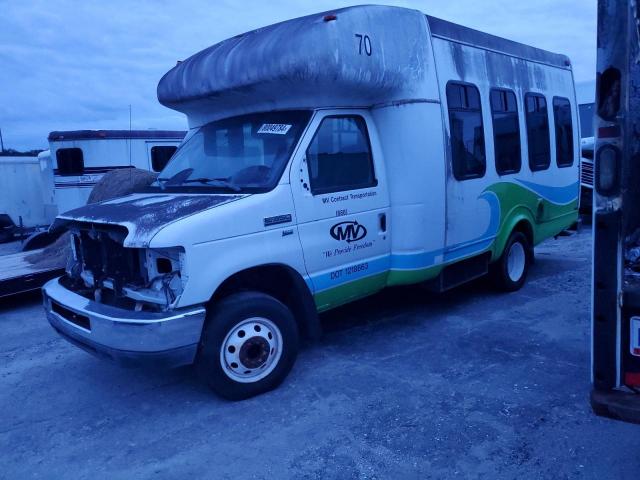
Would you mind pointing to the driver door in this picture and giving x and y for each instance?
(342, 207)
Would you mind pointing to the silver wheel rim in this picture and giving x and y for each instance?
(516, 261)
(251, 350)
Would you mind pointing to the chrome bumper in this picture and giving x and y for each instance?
(125, 336)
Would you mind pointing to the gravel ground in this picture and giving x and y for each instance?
(468, 384)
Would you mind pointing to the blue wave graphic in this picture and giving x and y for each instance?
(557, 195)
(418, 261)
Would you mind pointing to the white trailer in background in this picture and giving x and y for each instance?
(22, 203)
(26, 204)
(80, 158)
(35, 190)
(48, 193)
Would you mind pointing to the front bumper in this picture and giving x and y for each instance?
(128, 337)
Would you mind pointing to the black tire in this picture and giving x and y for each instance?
(222, 318)
(500, 269)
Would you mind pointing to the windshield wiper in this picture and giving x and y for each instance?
(215, 182)
(174, 179)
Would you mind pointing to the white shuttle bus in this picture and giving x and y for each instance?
(82, 157)
(328, 157)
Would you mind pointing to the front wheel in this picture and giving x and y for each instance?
(249, 344)
(510, 271)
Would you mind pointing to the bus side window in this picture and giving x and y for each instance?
(538, 140)
(564, 131)
(506, 131)
(466, 130)
(70, 161)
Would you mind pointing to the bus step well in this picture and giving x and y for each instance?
(460, 272)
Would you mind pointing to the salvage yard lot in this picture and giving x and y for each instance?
(405, 384)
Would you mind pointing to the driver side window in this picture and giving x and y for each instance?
(339, 157)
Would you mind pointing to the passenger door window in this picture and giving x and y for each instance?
(466, 131)
(564, 131)
(506, 131)
(537, 132)
(339, 156)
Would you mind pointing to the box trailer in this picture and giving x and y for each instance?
(328, 157)
(22, 203)
(82, 157)
(35, 190)
(23, 209)
(61, 179)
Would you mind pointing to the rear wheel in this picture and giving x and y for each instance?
(510, 271)
(249, 344)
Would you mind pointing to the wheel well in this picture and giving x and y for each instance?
(282, 283)
(525, 227)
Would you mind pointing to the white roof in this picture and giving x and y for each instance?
(313, 61)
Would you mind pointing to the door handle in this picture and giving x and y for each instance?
(383, 222)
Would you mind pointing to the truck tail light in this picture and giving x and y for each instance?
(632, 379)
(613, 131)
(607, 170)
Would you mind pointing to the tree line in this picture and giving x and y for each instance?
(10, 152)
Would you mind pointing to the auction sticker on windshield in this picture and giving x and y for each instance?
(274, 128)
(635, 336)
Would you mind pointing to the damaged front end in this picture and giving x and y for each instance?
(121, 302)
(102, 269)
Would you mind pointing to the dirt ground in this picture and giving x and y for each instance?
(405, 384)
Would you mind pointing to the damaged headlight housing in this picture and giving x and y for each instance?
(166, 276)
(110, 272)
(160, 262)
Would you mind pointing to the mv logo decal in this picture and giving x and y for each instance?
(348, 231)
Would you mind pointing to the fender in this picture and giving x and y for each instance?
(284, 283)
(512, 218)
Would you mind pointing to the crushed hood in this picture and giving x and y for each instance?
(143, 215)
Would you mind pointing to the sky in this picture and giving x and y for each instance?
(69, 65)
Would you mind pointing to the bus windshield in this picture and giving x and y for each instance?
(247, 153)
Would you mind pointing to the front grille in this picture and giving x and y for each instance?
(108, 259)
(73, 317)
(586, 173)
